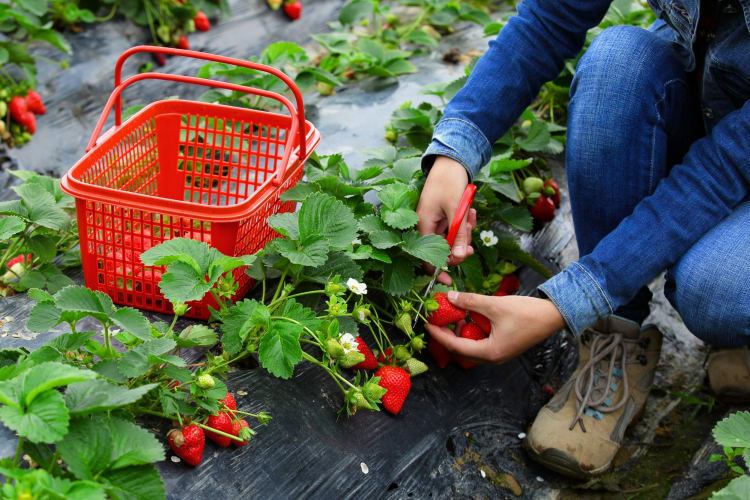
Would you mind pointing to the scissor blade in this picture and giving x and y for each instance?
(426, 293)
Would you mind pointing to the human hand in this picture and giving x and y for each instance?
(518, 323)
(437, 206)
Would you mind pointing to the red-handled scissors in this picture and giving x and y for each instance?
(463, 208)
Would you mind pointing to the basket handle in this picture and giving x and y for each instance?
(215, 58)
(293, 130)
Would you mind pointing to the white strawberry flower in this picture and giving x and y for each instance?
(488, 238)
(356, 287)
(349, 343)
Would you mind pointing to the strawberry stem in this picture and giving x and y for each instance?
(217, 431)
(18, 450)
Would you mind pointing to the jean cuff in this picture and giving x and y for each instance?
(460, 140)
(578, 296)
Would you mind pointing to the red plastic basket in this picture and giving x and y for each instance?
(188, 169)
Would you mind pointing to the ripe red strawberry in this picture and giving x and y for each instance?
(34, 103)
(18, 108)
(543, 210)
(188, 443)
(229, 401)
(182, 43)
(439, 353)
(28, 120)
(221, 422)
(446, 312)
(237, 426)
(201, 21)
(509, 285)
(293, 10)
(160, 58)
(482, 321)
(552, 183)
(473, 332)
(397, 382)
(370, 363)
(19, 259)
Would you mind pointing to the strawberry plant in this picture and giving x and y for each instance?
(732, 434)
(35, 230)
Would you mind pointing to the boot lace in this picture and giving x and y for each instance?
(596, 385)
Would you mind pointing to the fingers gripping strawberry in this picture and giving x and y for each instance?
(444, 312)
(470, 331)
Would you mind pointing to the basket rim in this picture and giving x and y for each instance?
(213, 213)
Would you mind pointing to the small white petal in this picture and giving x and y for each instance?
(364, 467)
(540, 479)
(521, 435)
(484, 474)
(176, 459)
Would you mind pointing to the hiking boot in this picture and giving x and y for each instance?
(580, 430)
(729, 374)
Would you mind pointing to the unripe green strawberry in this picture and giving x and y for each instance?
(402, 353)
(352, 358)
(180, 308)
(417, 343)
(532, 185)
(391, 136)
(373, 391)
(403, 323)
(392, 19)
(205, 381)
(3, 109)
(415, 366)
(334, 348)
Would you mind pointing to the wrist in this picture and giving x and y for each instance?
(449, 170)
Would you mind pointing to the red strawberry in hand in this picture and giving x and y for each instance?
(182, 43)
(221, 422)
(446, 312)
(370, 363)
(34, 103)
(509, 285)
(543, 210)
(473, 332)
(188, 443)
(552, 184)
(229, 401)
(439, 353)
(201, 21)
(293, 10)
(397, 382)
(237, 426)
(482, 321)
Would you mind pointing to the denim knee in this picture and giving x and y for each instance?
(709, 287)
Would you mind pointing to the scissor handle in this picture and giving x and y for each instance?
(463, 207)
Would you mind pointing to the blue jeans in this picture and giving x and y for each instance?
(634, 113)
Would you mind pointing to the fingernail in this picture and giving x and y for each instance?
(452, 295)
(459, 251)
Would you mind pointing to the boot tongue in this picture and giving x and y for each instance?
(617, 324)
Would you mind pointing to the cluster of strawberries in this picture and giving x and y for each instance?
(477, 328)
(542, 196)
(189, 441)
(201, 23)
(24, 108)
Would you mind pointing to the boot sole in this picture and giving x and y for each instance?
(561, 462)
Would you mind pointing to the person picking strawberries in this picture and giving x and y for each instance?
(658, 165)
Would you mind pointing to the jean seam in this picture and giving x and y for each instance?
(653, 133)
(560, 308)
(596, 284)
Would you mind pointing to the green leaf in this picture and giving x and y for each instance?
(99, 395)
(53, 38)
(537, 138)
(305, 316)
(400, 218)
(13, 207)
(10, 226)
(45, 420)
(400, 66)
(516, 216)
(510, 250)
(100, 443)
(737, 489)
(338, 263)
(310, 252)
(279, 349)
(43, 317)
(422, 38)
(139, 482)
(135, 362)
(81, 299)
(372, 48)
(473, 272)
(445, 16)
(110, 370)
(354, 11)
(238, 321)
(734, 430)
(493, 29)
(197, 254)
(507, 165)
(429, 247)
(285, 224)
(41, 206)
(398, 195)
(133, 322)
(398, 278)
(42, 377)
(182, 283)
(70, 341)
(197, 336)
(324, 215)
(299, 192)
(33, 279)
(36, 7)
(384, 239)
